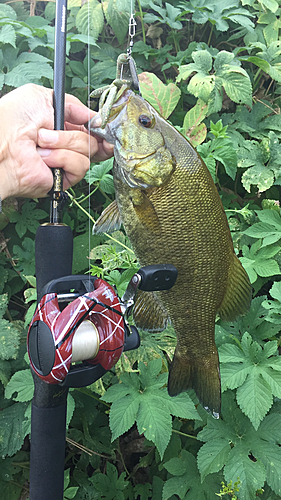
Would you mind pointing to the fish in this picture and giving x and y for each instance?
(172, 213)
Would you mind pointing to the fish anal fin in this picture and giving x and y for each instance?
(238, 295)
(109, 221)
(200, 374)
(149, 314)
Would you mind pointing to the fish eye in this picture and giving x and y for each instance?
(145, 121)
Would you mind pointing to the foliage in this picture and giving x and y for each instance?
(213, 70)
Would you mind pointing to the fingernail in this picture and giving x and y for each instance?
(49, 136)
(43, 152)
(96, 121)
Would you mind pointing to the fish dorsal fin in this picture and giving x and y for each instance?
(109, 221)
(237, 299)
(149, 314)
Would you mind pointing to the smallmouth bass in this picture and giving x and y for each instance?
(172, 213)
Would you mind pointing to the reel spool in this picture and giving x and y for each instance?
(91, 328)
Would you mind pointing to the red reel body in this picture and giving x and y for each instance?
(51, 332)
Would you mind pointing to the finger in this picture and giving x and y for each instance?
(72, 140)
(76, 112)
(74, 164)
(105, 151)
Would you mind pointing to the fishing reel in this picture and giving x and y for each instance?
(81, 320)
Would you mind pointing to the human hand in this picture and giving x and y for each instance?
(29, 145)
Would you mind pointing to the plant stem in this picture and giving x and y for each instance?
(142, 23)
(85, 391)
(210, 36)
(183, 434)
(93, 221)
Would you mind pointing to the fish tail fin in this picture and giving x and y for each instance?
(238, 296)
(202, 375)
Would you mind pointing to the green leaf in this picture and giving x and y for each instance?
(255, 397)
(117, 13)
(212, 456)
(110, 486)
(256, 373)
(9, 334)
(250, 473)
(8, 35)
(237, 86)
(187, 484)
(89, 19)
(28, 218)
(25, 256)
(142, 399)
(192, 126)
(12, 429)
(22, 384)
(163, 98)
(258, 261)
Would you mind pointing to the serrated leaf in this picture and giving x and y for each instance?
(123, 414)
(237, 86)
(155, 422)
(12, 429)
(22, 385)
(188, 485)
(251, 474)
(255, 397)
(145, 401)
(9, 339)
(163, 98)
(117, 13)
(8, 35)
(212, 456)
(89, 19)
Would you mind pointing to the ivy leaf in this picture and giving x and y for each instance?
(256, 373)
(143, 399)
(163, 98)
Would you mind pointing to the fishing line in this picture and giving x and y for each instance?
(89, 146)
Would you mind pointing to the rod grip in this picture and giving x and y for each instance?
(53, 253)
(47, 452)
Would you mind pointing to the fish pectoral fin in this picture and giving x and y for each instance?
(148, 313)
(109, 221)
(238, 295)
(201, 374)
(146, 213)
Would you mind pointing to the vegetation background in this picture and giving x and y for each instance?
(213, 68)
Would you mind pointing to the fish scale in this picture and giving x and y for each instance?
(172, 213)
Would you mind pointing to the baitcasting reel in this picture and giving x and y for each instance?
(91, 328)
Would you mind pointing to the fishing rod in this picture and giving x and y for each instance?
(78, 319)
